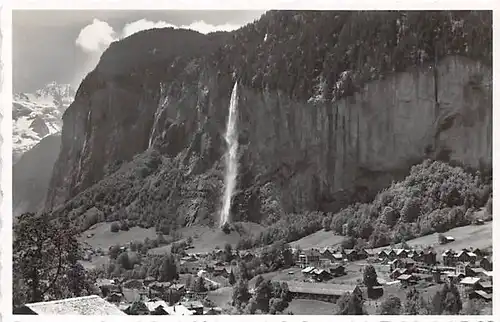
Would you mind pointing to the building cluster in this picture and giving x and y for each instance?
(469, 269)
(327, 256)
(161, 298)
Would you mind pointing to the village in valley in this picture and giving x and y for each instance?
(206, 283)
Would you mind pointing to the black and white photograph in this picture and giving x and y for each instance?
(240, 162)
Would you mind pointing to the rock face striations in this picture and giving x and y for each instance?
(314, 139)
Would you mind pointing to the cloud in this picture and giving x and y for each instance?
(205, 28)
(95, 37)
(143, 24)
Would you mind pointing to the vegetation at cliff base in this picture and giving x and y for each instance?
(434, 197)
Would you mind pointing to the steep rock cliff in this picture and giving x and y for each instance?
(295, 153)
(319, 153)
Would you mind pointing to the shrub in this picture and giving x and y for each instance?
(124, 226)
(115, 227)
(489, 206)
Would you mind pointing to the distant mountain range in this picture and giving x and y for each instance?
(37, 115)
(36, 140)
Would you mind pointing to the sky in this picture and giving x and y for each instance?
(64, 45)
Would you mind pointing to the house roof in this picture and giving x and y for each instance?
(428, 251)
(86, 305)
(193, 304)
(486, 284)
(485, 295)
(399, 251)
(336, 266)
(477, 270)
(178, 286)
(488, 273)
(178, 310)
(104, 281)
(405, 277)
(469, 280)
(152, 305)
(400, 270)
(320, 288)
(325, 249)
(319, 271)
(312, 252)
(308, 269)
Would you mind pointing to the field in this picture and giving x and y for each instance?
(206, 239)
(103, 237)
(465, 237)
(318, 240)
(221, 297)
(310, 307)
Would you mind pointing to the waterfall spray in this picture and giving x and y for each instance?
(231, 138)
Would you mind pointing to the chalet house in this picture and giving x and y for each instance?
(195, 306)
(383, 254)
(464, 269)
(189, 267)
(391, 254)
(337, 270)
(449, 258)
(86, 305)
(428, 256)
(401, 253)
(401, 263)
(486, 263)
(308, 271)
(480, 294)
(320, 291)
(395, 263)
(398, 272)
(326, 254)
(158, 307)
(369, 252)
(310, 257)
(469, 285)
(148, 280)
(246, 256)
(465, 257)
(478, 252)
(477, 271)
(108, 286)
(353, 254)
(338, 256)
(321, 274)
(486, 286)
(407, 279)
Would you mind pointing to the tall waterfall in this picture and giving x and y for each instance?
(231, 138)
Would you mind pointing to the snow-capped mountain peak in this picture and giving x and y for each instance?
(37, 115)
